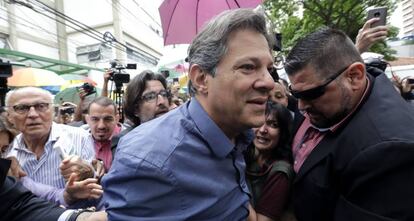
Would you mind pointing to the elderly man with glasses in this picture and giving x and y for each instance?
(354, 150)
(49, 153)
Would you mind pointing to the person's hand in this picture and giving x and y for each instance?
(74, 164)
(107, 75)
(78, 190)
(99, 168)
(252, 214)
(406, 86)
(92, 216)
(15, 169)
(82, 94)
(367, 36)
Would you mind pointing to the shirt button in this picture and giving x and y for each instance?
(303, 145)
(296, 162)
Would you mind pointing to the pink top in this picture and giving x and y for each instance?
(103, 149)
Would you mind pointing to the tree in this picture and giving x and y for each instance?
(295, 19)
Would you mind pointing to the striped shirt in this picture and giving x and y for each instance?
(72, 140)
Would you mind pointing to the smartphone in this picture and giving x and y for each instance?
(410, 80)
(381, 13)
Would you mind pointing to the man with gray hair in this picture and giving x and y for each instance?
(42, 144)
(188, 163)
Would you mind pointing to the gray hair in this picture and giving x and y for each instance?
(29, 90)
(210, 45)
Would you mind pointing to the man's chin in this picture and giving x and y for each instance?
(257, 122)
(101, 138)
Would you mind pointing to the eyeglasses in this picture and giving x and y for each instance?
(153, 96)
(315, 92)
(24, 108)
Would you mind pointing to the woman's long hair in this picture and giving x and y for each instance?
(282, 151)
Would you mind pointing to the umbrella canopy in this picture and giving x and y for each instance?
(73, 80)
(77, 78)
(34, 77)
(182, 19)
(71, 94)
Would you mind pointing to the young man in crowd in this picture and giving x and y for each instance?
(102, 119)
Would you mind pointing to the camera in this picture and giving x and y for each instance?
(5, 69)
(118, 75)
(67, 110)
(88, 89)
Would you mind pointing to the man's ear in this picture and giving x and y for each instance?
(117, 118)
(356, 75)
(87, 118)
(198, 79)
(10, 118)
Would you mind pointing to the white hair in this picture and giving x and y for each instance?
(26, 90)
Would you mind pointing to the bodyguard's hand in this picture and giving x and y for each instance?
(78, 190)
(15, 169)
(74, 164)
(367, 36)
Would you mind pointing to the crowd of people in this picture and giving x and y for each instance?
(335, 144)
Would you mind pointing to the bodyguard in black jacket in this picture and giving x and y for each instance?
(18, 203)
(363, 167)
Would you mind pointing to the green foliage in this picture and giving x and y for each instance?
(347, 15)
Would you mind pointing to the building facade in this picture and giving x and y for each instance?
(408, 17)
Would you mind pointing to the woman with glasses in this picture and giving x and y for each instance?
(268, 164)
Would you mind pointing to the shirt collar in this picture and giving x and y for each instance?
(219, 143)
(54, 135)
(102, 144)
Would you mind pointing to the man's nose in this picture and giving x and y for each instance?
(101, 123)
(266, 82)
(32, 112)
(161, 100)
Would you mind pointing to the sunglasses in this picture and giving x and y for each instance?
(315, 92)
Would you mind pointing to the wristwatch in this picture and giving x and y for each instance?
(74, 216)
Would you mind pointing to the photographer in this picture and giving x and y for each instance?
(107, 77)
(65, 113)
(82, 108)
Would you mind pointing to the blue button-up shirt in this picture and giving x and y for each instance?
(180, 166)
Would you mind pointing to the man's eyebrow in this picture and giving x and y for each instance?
(253, 59)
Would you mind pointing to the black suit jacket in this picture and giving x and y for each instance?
(18, 203)
(365, 170)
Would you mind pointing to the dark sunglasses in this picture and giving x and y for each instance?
(315, 92)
